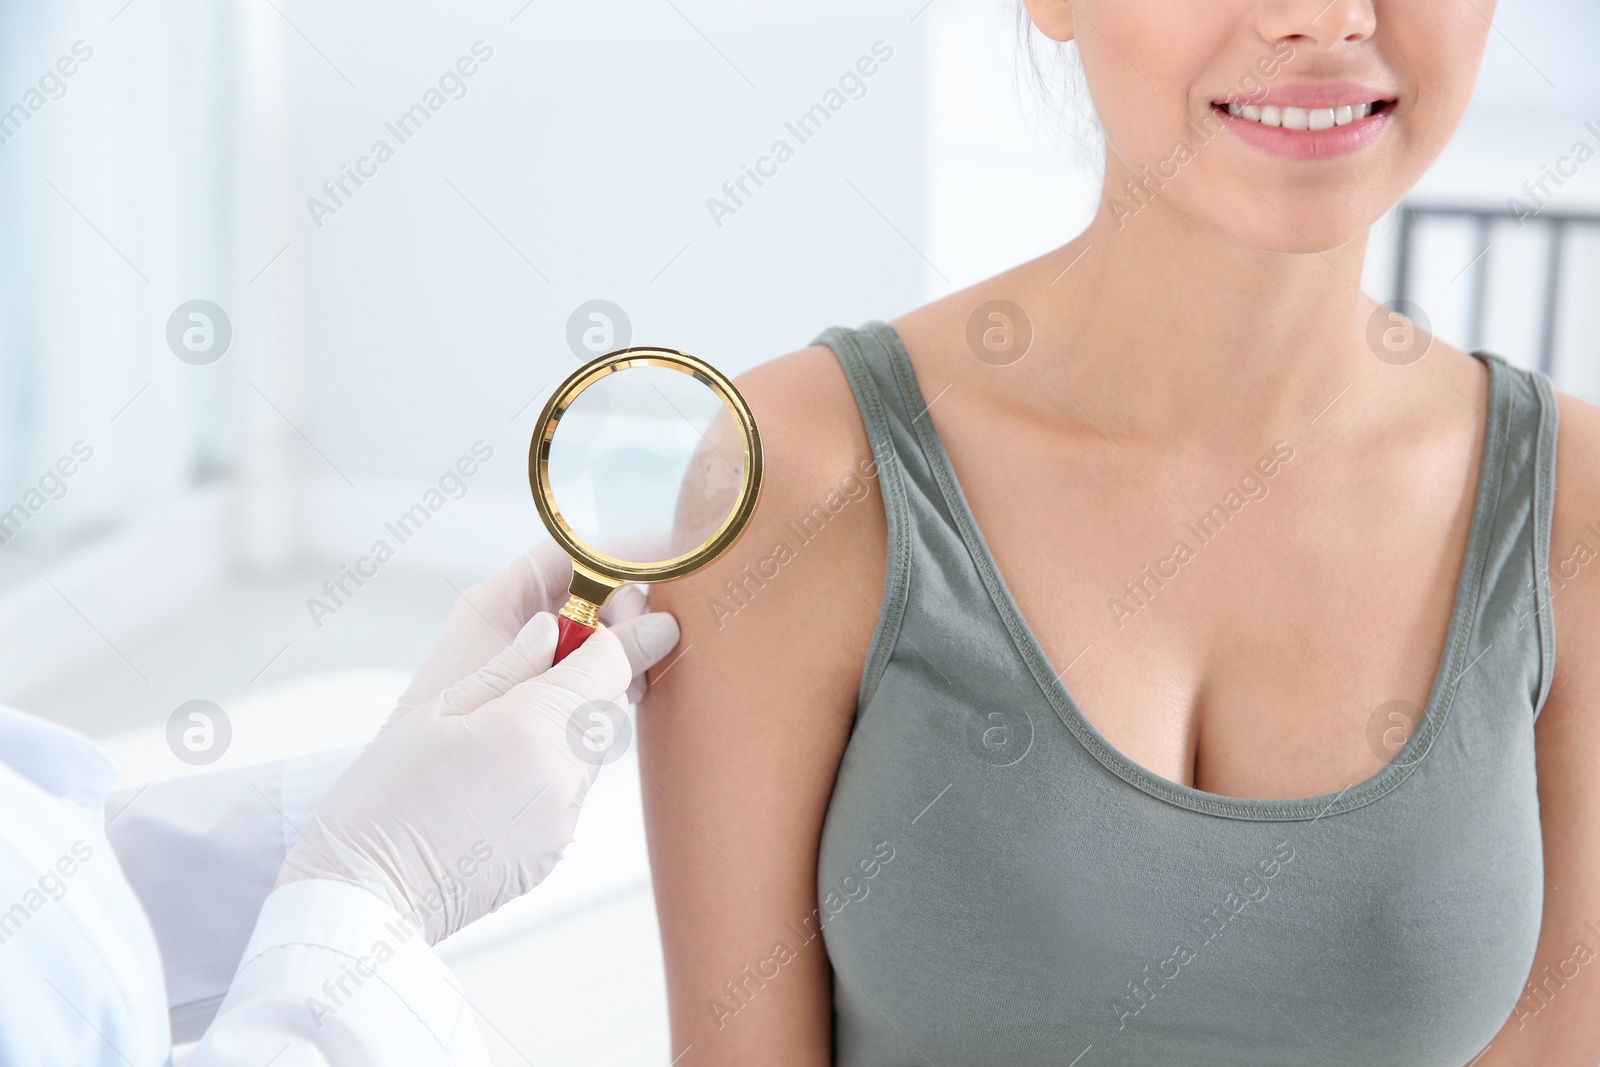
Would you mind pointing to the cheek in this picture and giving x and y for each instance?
(1437, 49)
(1152, 66)
(1141, 59)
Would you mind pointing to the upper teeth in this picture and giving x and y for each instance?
(1300, 118)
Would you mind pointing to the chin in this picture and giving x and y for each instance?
(1258, 207)
(1301, 229)
(1287, 216)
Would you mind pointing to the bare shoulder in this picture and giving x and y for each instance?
(1577, 455)
(792, 605)
(1568, 738)
(1568, 728)
(819, 526)
(1575, 546)
(745, 723)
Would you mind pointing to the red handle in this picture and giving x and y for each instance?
(570, 635)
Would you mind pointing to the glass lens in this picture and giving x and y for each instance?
(646, 464)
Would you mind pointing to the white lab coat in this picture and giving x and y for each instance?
(124, 919)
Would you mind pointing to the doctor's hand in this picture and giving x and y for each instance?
(467, 801)
(491, 613)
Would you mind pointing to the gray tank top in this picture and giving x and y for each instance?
(998, 885)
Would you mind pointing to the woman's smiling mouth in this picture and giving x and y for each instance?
(1308, 121)
(1300, 118)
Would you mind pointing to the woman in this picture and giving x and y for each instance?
(1175, 702)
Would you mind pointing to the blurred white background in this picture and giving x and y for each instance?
(377, 338)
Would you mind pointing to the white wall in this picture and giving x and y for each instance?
(578, 166)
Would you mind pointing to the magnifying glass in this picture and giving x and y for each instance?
(645, 466)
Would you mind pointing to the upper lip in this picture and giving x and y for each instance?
(1311, 95)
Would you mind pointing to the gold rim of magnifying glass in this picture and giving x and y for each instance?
(587, 558)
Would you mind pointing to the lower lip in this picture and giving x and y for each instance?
(1308, 144)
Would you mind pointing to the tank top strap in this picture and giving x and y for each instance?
(1512, 621)
(924, 538)
(886, 390)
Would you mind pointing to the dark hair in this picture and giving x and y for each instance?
(1059, 87)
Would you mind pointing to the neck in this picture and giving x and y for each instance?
(1184, 331)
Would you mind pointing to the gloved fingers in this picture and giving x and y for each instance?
(628, 602)
(646, 639)
(486, 619)
(466, 631)
(596, 672)
(535, 581)
(528, 656)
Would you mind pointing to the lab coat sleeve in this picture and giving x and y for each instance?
(335, 977)
(201, 853)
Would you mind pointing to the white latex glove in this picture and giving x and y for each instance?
(492, 612)
(467, 802)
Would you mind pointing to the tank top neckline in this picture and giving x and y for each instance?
(1452, 663)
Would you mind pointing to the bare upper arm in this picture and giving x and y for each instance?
(744, 725)
(1565, 1029)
